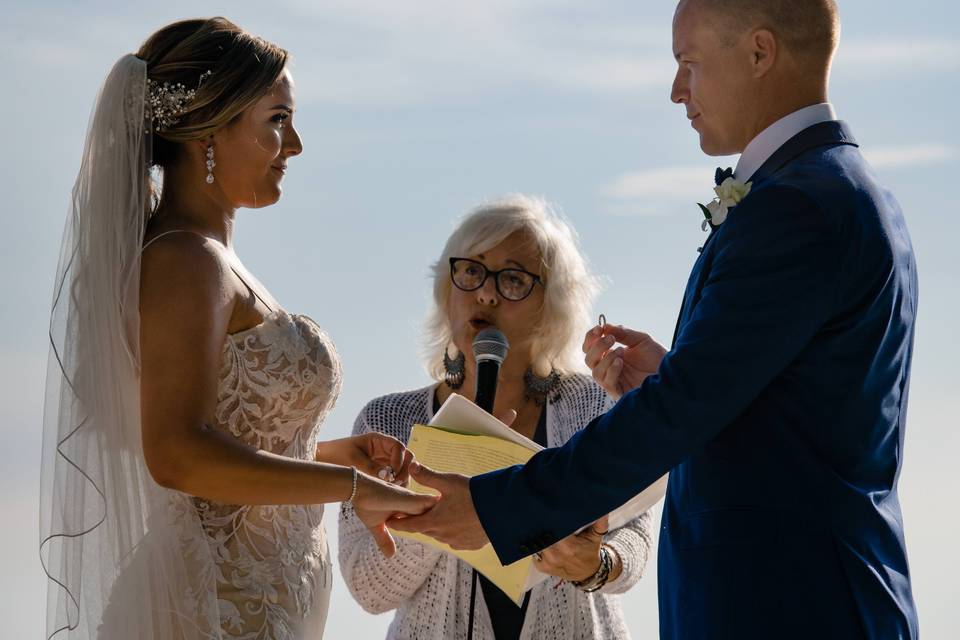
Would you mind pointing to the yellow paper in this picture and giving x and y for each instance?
(471, 455)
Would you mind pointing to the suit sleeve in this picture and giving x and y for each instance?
(771, 285)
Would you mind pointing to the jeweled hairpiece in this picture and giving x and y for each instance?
(167, 102)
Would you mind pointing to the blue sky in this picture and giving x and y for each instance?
(412, 112)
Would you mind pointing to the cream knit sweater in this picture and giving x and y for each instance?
(430, 589)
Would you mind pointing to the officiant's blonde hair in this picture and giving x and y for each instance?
(569, 285)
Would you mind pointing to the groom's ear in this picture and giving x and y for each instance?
(764, 52)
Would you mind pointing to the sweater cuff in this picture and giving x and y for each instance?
(633, 559)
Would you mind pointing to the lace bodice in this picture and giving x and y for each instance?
(278, 380)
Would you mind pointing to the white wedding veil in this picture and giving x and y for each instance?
(115, 545)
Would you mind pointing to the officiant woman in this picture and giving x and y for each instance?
(514, 264)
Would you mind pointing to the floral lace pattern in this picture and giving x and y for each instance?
(271, 565)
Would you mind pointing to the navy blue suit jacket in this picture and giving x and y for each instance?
(779, 412)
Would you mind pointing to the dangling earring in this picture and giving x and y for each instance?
(540, 390)
(210, 163)
(454, 369)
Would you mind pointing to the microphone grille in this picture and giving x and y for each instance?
(490, 344)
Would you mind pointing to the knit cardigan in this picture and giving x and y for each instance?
(430, 589)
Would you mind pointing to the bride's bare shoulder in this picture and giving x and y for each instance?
(182, 269)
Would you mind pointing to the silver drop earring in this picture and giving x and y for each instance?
(210, 164)
(454, 369)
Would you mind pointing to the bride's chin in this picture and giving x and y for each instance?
(265, 197)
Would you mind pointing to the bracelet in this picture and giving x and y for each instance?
(598, 579)
(353, 494)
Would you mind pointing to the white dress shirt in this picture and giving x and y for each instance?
(773, 137)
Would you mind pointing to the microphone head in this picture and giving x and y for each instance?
(490, 344)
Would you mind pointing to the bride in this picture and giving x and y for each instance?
(183, 482)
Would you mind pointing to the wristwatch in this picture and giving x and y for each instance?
(598, 579)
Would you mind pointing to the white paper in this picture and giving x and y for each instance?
(459, 414)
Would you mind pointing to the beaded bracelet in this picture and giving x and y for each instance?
(353, 494)
(598, 579)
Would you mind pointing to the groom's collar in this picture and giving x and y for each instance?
(830, 133)
(762, 147)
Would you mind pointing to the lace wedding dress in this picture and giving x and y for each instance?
(125, 557)
(278, 381)
(270, 564)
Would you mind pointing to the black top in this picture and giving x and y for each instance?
(505, 616)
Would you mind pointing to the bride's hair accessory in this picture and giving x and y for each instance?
(167, 102)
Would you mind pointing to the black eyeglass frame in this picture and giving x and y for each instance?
(487, 273)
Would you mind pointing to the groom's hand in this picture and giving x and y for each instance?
(377, 501)
(620, 369)
(453, 520)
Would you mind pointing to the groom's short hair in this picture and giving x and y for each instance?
(810, 29)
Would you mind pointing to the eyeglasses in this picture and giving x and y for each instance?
(512, 284)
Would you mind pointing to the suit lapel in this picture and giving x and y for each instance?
(822, 134)
(694, 284)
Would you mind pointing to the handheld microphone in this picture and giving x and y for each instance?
(489, 350)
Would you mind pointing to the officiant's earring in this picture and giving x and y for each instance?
(454, 369)
(210, 163)
(540, 390)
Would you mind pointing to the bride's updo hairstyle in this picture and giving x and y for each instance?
(242, 66)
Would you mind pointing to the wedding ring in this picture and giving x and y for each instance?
(387, 474)
(602, 322)
(538, 557)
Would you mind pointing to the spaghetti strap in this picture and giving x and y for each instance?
(230, 260)
(166, 233)
(252, 289)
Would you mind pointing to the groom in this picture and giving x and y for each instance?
(780, 408)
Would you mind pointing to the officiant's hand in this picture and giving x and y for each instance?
(576, 557)
(375, 454)
(453, 520)
(621, 369)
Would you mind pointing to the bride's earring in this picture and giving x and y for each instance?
(210, 163)
(454, 369)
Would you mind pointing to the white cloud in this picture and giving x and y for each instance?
(901, 156)
(658, 191)
(392, 55)
(664, 182)
(663, 190)
(881, 55)
(380, 53)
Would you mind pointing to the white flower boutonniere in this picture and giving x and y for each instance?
(730, 192)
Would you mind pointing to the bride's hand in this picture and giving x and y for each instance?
(377, 501)
(375, 454)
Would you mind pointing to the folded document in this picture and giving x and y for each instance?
(464, 439)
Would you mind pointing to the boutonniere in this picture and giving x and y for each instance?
(730, 192)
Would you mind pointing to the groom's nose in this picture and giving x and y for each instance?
(680, 92)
